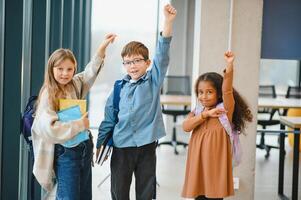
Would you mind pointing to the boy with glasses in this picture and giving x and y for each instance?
(140, 122)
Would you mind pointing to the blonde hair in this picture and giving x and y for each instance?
(54, 90)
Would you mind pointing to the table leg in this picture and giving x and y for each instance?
(281, 161)
(174, 140)
(296, 166)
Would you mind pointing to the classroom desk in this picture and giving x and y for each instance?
(279, 102)
(174, 100)
(284, 103)
(295, 123)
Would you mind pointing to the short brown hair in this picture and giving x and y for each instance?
(135, 48)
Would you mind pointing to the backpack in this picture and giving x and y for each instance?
(234, 137)
(232, 133)
(27, 119)
(106, 145)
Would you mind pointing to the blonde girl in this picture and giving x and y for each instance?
(70, 168)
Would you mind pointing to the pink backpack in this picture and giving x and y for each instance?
(232, 133)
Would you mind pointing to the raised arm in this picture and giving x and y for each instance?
(109, 38)
(227, 87)
(161, 59)
(170, 15)
(85, 79)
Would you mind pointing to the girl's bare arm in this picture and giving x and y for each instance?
(192, 121)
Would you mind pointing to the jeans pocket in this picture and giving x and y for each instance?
(59, 151)
(89, 149)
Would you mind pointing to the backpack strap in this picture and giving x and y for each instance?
(233, 135)
(225, 121)
(116, 98)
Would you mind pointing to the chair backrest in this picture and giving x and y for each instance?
(176, 85)
(267, 91)
(293, 92)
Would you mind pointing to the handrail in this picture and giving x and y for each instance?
(273, 132)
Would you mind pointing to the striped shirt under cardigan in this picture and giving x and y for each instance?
(48, 131)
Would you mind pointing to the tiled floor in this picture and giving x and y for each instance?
(266, 179)
(170, 175)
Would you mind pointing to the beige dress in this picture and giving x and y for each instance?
(209, 160)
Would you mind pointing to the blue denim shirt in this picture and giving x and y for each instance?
(140, 119)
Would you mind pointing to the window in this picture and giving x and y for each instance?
(130, 20)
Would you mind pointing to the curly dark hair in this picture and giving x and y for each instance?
(242, 112)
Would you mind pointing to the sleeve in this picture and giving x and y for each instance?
(85, 79)
(161, 60)
(228, 97)
(108, 123)
(48, 127)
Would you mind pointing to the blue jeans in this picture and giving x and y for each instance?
(73, 171)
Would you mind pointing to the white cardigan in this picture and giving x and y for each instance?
(48, 131)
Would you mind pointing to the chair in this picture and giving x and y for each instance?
(293, 92)
(175, 85)
(267, 91)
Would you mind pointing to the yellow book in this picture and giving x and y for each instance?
(67, 103)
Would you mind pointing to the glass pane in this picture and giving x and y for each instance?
(130, 20)
(280, 73)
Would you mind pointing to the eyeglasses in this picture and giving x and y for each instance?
(137, 61)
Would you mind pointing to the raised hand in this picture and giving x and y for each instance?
(169, 12)
(229, 57)
(170, 15)
(109, 38)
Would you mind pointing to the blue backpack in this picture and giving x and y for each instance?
(27, 119)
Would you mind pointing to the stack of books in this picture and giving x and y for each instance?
(72, 109)
(105, 149)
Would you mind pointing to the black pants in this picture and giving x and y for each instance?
(138, 160)
(202, 197)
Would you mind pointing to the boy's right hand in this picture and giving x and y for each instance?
(170, 13)
(109, 38)
(85, 120)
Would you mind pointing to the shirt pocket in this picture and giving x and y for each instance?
(144, 100)
(144, 94)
